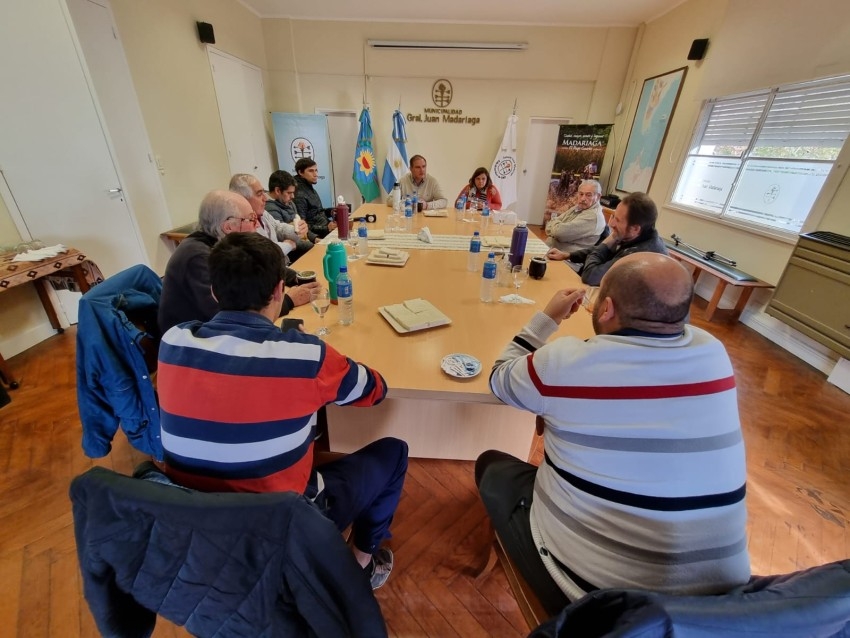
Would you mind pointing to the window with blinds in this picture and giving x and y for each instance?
(762, 158)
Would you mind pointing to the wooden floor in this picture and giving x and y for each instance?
(798, 446)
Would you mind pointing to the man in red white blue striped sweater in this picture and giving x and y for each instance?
(644, 473)
(239, 397)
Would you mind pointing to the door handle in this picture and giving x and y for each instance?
(114, 191)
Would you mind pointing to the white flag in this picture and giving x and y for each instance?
(503, 172)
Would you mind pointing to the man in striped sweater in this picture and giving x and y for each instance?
(238, 399)
(643, 479)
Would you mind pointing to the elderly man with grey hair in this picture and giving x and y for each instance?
(286, 236)
(186, 294)
(580, 226)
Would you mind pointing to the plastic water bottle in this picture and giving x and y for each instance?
(485, 218)
(408, 215)
(363, 238)
(345, 296)
(488, 278)
(414, 203)
(474, 251)
(518, 240)
(459, 206)
(396, 196)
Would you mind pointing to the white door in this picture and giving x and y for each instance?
(537, 160)
(241, 105)
(343, 129)
(54, 154)
(116, 96)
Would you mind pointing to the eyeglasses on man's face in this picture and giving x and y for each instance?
(242, 220)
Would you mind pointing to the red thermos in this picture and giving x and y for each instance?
(341, 218)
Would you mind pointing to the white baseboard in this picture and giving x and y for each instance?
(798, 344)
(21, 341)
(840, 375)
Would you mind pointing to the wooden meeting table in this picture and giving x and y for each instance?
(438, 415)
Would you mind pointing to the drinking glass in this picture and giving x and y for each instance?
(520, 276)
(353, 240)
(499, 218)
(320, 299)
(590, 295)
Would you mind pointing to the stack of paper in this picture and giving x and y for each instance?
(416, 314)
(496, 242)
(377, 233)
(388, 257)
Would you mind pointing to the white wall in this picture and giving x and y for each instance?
(753, 44)
(571, 72)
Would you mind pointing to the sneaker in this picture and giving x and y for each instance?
(380, 567)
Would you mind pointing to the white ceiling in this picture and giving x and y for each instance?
(526, 12)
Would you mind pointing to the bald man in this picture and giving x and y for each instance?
(186, 294)
(643, 479)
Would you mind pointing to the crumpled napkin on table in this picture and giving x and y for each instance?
(515, 299)
(40, 253)
(425, 235)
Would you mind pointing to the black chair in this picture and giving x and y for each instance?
(219, 564)
(813, 602)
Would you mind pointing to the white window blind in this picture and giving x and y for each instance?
(762, 158)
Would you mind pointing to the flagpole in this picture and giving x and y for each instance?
(515, 100)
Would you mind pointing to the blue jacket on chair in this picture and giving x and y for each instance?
(222, 565)
(113, 384)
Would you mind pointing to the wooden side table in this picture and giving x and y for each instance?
(17, 273)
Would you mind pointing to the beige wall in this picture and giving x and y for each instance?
(754, 44)
(171, 73)
(9, 234)
(569, 72)
(172, 77)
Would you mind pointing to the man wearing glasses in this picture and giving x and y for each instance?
(285, 235)
(186, 294)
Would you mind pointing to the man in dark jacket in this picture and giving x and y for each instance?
(632, 231)
(307, 200)
(280, 206)
(186, 292)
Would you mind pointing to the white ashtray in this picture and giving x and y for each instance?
(461, 366)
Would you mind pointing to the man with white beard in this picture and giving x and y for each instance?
(580, 226)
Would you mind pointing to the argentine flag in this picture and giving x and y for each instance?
(396, 164)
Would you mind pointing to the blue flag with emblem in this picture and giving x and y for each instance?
(396, 163)
(365, 172)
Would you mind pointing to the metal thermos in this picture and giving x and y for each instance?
(341, 219)
(518, 241)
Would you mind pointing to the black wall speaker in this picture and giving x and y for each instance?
(207, 35)
(697, 51)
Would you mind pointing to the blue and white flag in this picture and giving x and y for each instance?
(396, 164)
(503, 172)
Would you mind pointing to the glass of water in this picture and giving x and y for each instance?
(320, 299)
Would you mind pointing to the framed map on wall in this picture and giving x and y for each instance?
(657, 102)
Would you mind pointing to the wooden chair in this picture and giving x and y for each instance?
(529, 605)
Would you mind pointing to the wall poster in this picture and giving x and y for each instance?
(578, 156)
(655, 110)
